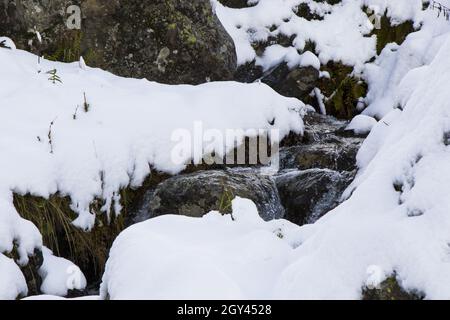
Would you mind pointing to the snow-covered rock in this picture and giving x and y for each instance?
(396, 216)
(12, 281)
(340, 35)
(214, 257)
(87, 134)
(60, 275)
(361, 124)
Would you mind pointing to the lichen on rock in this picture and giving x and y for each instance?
(127, 37)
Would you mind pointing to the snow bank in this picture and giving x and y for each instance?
(395, 220)
(12, 281)
(60, 275)
(215, 257)
(397, 217)
(342, 35)
(87, 133)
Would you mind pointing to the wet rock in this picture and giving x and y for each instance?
(198, 193)
(310, 194)
(390, 289)
(238, 4)
(170, 41)
(303, 10)
(248, 73)
(31, 271)
(326, 146)
(297, 82)
(339, 155)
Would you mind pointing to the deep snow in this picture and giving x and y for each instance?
(50, 143)
(396, 214)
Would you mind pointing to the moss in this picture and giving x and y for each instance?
(89, 250)
(67, 48)
(30, 271)
(389, 33)
(53, 217)
(304, 11)
(345, 99)
(225, 203)
(390, 289)
(342, 90)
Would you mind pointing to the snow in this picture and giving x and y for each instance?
(45, 297)
(12, 281)
(403, 232)
(55, 143)
(362, 124)
(395, 217)
(215, 257)
(60, 275)
(7, 42)
(342, 35)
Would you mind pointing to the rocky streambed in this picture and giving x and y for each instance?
(313, 174)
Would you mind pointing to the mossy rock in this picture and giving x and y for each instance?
(389, 33)
(169, 41)
(304, 11)
(238, 4)
(390, 289)
(342, 91)
(89, 250)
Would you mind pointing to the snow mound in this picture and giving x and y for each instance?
(362, 124)
(86, 134)
(397, 215)
(60, 275)
(341, 35)
(214, 257)
(12, 281)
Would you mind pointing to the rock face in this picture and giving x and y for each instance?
(308, 195)
(390, 289)
(169, 41)
(238, 3)
(327, 146)
(297, 82)
(317, 170)
(198, 193)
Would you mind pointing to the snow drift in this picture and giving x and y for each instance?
(86, 134)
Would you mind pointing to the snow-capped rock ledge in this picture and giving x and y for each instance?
(396, 220)
(50, 141)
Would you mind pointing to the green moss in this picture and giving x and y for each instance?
(67, 48)
(225, 203)
(342, 90)
(390, 289)
(53, 217)
(389, 33)
(345, 99)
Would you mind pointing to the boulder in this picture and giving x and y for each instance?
(339, 155)
(169, 41)
(390, 290)
(326, 145)
(297, 82)
(238, 4)
(198, 193)
(310, 194)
